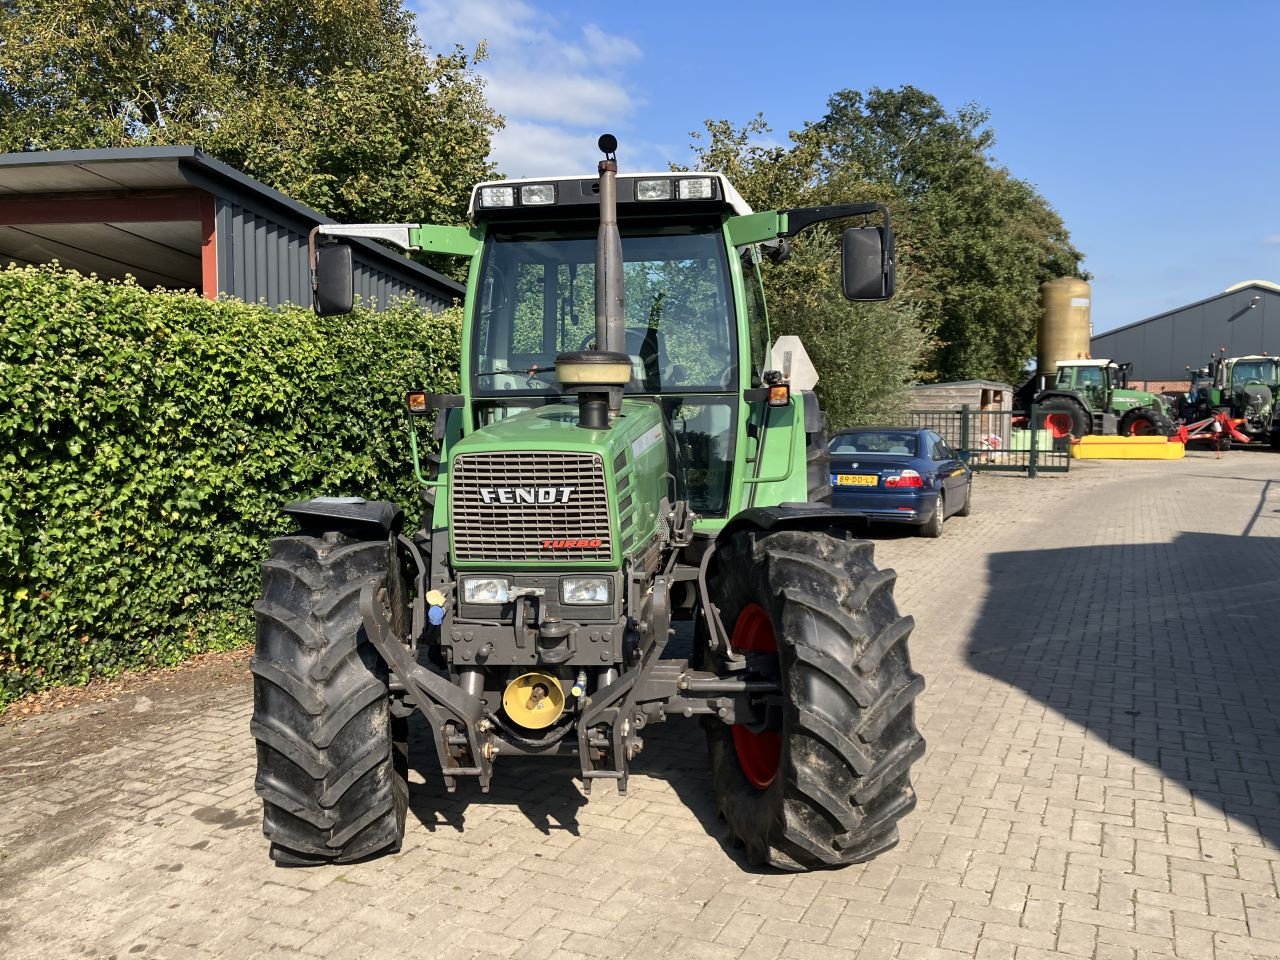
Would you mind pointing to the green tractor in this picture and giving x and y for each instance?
(625, 453)
(1244, 388)
(1093, 396)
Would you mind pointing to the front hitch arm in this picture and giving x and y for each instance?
(440, 701)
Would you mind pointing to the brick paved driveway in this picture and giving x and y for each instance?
(1103, 718)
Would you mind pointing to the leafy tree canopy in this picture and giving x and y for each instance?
(339, 104)
(973, 242)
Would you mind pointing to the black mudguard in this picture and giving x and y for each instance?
(353, 515)
(791, 516)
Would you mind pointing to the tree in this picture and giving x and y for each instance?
(339, 105)
(865, 354)
(975, 242)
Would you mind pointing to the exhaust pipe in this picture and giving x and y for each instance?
(611, 320)
(598, 376)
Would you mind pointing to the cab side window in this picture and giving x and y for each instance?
(757, 315)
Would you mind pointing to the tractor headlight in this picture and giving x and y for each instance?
(584, 590)
(497, 197)
(698, 188)
(653, 189)
(485, 590)
(537, 194)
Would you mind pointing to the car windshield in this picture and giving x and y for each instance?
(885, 442)
(537, 299)
(1263, 371)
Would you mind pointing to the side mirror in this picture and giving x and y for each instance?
(333, 284)
(867, 268)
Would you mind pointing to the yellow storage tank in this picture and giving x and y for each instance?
(1065, 324)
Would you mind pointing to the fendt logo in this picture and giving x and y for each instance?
(539, 495)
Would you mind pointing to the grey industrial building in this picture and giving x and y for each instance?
(174, 217)
(1244, 319)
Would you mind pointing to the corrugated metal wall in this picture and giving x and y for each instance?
(1163, 347)
(260, 258)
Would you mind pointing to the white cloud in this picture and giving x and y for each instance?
(534, 149)
(563, 99)
(558, 86)
(1272, 239)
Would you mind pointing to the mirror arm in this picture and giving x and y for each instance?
(804, 217)
(396, 233)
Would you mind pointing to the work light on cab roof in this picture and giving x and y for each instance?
(629, 448)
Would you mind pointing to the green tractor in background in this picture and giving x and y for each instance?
(1244, 388)
(1093, 397)
(627, 451)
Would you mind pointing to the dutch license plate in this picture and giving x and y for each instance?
(856, 480)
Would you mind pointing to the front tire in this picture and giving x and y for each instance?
(1068, 414)
(823, 780)
(1145, 422)
(332, 761)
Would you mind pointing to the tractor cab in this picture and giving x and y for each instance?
(683, 295)
(1240, 372)
(1094, 380)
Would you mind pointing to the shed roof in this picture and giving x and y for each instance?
(47, 174)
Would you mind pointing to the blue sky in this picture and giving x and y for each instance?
(1153, 128)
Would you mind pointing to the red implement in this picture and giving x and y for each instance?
(1210, 429)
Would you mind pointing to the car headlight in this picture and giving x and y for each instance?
(584, 590)
(485, 590)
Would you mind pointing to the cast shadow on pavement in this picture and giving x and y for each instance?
(1169, 652)
(543, 789)
(547, 791)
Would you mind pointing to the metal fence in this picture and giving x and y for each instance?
(1000, 439)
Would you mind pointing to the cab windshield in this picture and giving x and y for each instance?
(1261, 371)
(537, 299)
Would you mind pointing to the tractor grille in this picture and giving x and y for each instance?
(529, 506)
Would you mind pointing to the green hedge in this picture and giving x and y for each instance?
(147, 443)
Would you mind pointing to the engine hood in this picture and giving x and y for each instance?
(535, 489)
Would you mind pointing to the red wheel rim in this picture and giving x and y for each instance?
(1141, 428)
(759, 754)
(1059, 424)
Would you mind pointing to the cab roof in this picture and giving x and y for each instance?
(573, 195)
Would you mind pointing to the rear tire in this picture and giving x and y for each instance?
(933, 526)
(831, 785)
(332, 761)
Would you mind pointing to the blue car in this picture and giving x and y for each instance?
(901, 475)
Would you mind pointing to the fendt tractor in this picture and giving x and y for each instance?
(1093, 396)
(1243, 388)
(623, 455)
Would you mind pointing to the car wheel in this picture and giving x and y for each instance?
(933, 527)
(967, 507)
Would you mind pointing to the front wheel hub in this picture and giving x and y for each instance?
(759, 753)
